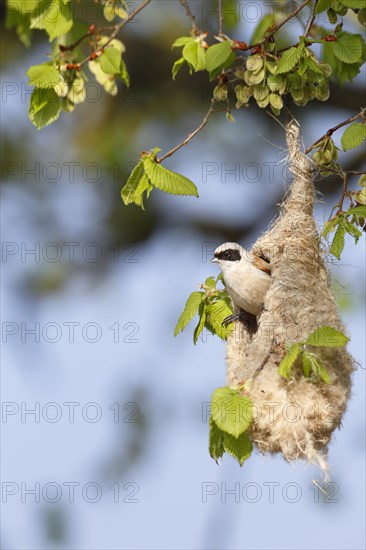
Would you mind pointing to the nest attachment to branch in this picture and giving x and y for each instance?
(295, 417)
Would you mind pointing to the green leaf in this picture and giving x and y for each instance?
(288, 361)
(338, 243)
(169, 181)
(218, 311)
(330, 226)
(58, 19)
(288, 60)
(217, 55)
(348, 47)
(43, 76)
(128, 192)
(216, 442)
(210, 283)
(353, 231)
(195, 55)
(230, 60)
(23, 6)
(177, 67)
(201, 323)
(327, 337)
(306, 365)
(317, 368)
(189, 311)
(353, 136)
(323, 5)
(239, 448)
(182, 41)
(230, 411)
(355, 4)
(110, 61)
(137, 184)
(264, 24)
(123, 74)
(359, 211)
(44, 107)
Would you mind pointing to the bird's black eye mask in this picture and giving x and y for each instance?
(229, 255)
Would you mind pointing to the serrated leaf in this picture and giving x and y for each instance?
(169, 181)
(323, 5)
(216, 442)
(110, 61)
(177, 67)
(353, 136)
(189, 311)
(264, 24)
(306, 365)
(43, 76)
(182, 41)
(129, 190)
(359, 211)
(338, 243)
(195, 55)
(123, 74)
(317, 368)
(44, 107)
(353, 231)
(330, 226)
(230, 60)
(201, 323)
(230, 411)
(355, 4)
(288, 60)
(288, 361)
(327, 337)
(58, 19)
(348, 47)
(210, 283)
(217, 55)
(239, 448)
(218, 311)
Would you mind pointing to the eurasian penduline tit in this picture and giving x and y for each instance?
(247, 278)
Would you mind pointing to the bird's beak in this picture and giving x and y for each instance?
(214, 260)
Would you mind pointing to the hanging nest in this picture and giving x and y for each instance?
(295, 417)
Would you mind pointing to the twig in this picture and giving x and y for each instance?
(117, 28)
(221, 17)
(332, 130)
(344, 192)
(311, 19)
(284, 21)
(192, 134)
(191, 16)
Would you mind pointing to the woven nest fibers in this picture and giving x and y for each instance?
(295, 417)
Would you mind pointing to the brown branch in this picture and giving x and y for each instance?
(331, 131)
(344, 193)
(117, 28)
(194, 133)
(191, 16)
(284, 21)
(221, 17)
(311, 19)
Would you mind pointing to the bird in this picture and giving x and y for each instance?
(247, 279)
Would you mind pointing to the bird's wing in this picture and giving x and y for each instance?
(261, 264)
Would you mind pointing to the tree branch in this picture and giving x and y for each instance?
(221, 17)
(311, 19)
(192, 134)
(331, 131)
(284, 21)
(117, 28)
(191, 16)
